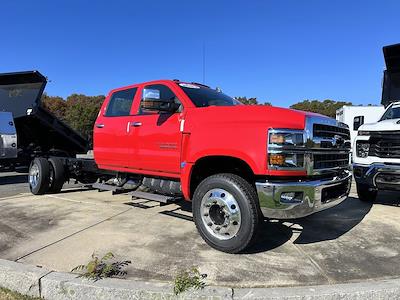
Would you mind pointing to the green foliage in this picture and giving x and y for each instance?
(98, 268)
(55, 105)
(189, 279)
(6, 294)
(82, 112)
(326, 107)
(78, 111)
(251, 101)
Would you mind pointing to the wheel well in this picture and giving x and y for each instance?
(211, 165)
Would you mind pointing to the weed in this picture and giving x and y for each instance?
(189, 279)
(98, 268)
(6, 294)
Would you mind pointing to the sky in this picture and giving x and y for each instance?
(281, 51)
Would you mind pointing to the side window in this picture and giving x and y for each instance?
(158, 98)
(120, 103)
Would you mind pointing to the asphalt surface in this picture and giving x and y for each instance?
(352, 242)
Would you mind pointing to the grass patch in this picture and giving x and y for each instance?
(186, 280)
(98, 268)
(6, 294)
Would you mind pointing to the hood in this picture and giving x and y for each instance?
(386, 125)
(272, 117)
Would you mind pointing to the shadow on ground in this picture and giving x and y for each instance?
(390, 198)
(23, 178)
(332, 223)
(326, 225)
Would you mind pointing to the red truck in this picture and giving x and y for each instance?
(236, 163)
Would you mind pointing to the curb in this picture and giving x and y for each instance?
(40, 282)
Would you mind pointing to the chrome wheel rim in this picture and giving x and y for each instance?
(34, 176)
(220, 214)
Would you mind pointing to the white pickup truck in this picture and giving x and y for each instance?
(376, 150)
(376, 155)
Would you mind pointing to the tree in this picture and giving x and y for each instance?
(81, 113)
(56, 105)
(327, 107)
(251, 101)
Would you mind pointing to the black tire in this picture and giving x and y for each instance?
(365, 193)
(39, 176)
(245, 196)
(57, 174)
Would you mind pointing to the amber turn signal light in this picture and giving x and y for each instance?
(277, 159)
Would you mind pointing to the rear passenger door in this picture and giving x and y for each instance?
(113, 143)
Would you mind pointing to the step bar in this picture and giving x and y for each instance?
(154, 197)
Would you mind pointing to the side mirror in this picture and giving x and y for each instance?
(358, 121)
(152, 101)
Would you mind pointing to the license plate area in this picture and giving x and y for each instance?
(333, 192)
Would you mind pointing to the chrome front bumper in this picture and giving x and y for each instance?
(310, 196)
(378, 175)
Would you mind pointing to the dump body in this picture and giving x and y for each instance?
(391, 77)
(38, 131)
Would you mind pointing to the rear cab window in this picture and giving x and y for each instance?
(120, 103)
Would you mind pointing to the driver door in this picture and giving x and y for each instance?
(157, 133)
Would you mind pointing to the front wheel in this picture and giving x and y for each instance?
(226, 213)
(365, 193)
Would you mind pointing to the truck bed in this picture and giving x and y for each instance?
(38, 130)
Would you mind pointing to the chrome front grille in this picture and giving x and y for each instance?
(329, 131)
(328, 143)
(322, 147)
(331, 160)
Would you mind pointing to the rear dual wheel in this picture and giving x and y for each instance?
(46, 175)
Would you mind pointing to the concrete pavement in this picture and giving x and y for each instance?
(352, 242)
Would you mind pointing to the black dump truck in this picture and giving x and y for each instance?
(28, 131)
(55, 153)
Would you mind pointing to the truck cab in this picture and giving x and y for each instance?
(236, 163)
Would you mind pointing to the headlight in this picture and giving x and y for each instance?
(284, 149)
(362, 149)
(362, 132)
(286, 138)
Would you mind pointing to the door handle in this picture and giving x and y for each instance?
(137, 124)
(99, 125)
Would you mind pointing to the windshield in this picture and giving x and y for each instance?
(392, 113)
(203, 96)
